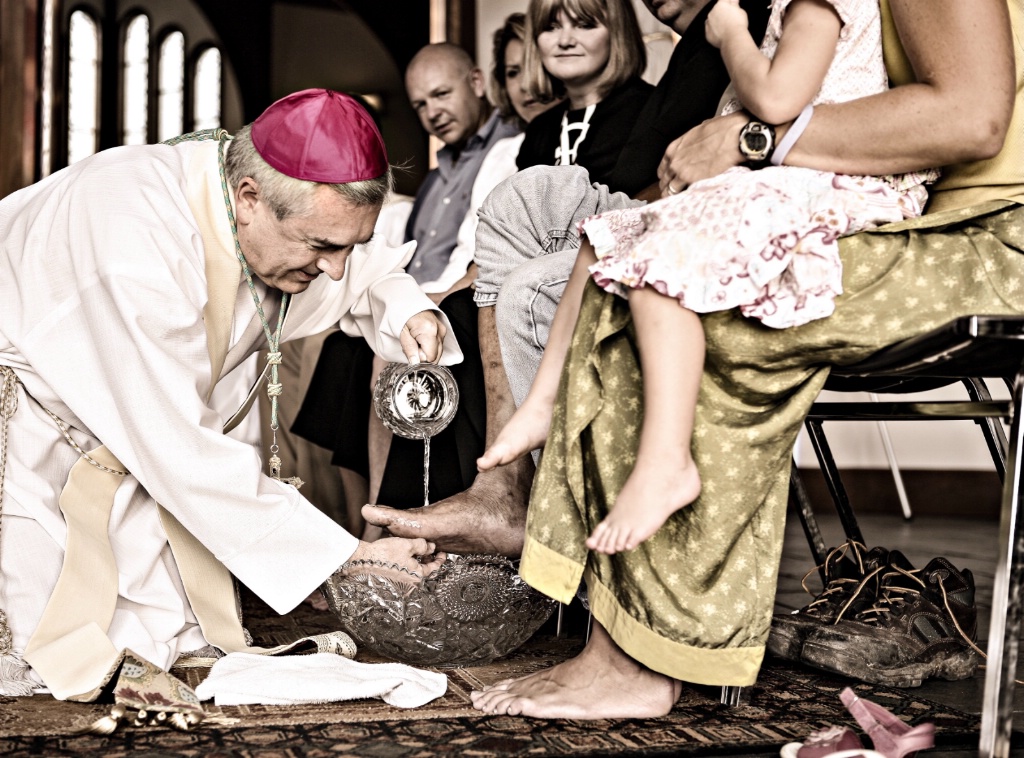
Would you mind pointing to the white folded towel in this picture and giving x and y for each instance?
(247, 679)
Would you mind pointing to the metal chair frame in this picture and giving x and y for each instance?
(961, 351)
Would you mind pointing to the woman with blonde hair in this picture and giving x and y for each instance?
(509, 90)
(590, 52)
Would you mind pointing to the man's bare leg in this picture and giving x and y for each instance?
(602, 682)
(489, 517)
(528, 428)
(378, 439)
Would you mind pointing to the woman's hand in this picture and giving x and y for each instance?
(422, 337)
(705, 151)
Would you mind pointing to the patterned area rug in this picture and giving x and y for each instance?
(786, 704)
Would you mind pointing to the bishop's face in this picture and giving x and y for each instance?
(289, 254)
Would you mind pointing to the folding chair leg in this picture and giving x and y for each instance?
(798, 498)
(991, 428)
(731, 695)
(834, 481)
(894, 465)
(1004, 630)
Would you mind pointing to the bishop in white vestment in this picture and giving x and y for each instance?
(106, 316)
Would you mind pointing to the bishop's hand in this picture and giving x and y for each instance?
(395, 556)
(422, 337)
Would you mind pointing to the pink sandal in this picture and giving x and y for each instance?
(890, 736)
(833, 742)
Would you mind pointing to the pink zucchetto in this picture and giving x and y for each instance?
(320, 136)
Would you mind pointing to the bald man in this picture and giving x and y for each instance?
(446, 89)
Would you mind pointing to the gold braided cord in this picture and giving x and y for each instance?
(8, 405)
(274, 386)
(67, 436)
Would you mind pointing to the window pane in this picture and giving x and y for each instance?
(171, 103)
(136, 81)
(207, 91)
(46, 96)
(83, 86)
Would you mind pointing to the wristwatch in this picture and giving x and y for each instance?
(757, 141)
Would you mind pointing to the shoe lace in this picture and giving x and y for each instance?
(835, 555)
(856, 593)
(891, 596)
(839, 585)
(968, 640)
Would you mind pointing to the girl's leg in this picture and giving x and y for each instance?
(664, 479)
(528, 427)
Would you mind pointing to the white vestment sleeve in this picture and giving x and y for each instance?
(374, 300)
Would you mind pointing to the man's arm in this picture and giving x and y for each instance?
(958, 109)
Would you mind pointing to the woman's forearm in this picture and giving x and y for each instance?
(958, 110)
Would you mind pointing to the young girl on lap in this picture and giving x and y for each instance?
(760, 238)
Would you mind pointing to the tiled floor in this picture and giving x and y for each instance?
(965, 542)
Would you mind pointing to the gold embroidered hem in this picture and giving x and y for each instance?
(732, 666)
(558, 577)
(549, 572)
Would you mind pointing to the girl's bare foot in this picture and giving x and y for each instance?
(526, 431)
(654, 491)
(601, 682)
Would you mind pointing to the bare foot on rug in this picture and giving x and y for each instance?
(602, 682)
(654, 491)
(489, 517)
(526, 431)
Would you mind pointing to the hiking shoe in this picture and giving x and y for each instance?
(851, 581)
(923, 625)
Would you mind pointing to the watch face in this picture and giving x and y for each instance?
(756, 142)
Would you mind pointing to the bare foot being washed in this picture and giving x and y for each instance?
(602, 682)
(654, 491)
(489, 517)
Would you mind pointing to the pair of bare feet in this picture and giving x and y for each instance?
(601, 682)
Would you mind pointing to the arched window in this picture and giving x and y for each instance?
(171, 98)
(206, 102)
(135, 80)
(95, 92)
(83, 86)
(46, 90)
